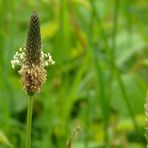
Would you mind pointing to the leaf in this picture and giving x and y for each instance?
(90, 145)
(145, 62)
(128, 46)
(48, 30)
(4, 140)
(135, 145)
(135, 88)
(84, 3)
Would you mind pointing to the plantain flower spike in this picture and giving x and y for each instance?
(31, 59)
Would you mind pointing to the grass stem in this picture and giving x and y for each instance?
(29, 122)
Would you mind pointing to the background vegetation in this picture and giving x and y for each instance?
(99, 80)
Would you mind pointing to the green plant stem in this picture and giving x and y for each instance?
(101, 93)
(29, 122)
(115, 68)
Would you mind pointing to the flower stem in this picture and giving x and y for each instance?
(29, 121)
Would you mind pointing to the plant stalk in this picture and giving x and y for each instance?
(29, 122)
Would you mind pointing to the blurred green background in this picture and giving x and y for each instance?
(99, 80)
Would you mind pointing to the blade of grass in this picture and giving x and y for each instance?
(70, 99)
(117, 73)
(111, 55)
(101, 93)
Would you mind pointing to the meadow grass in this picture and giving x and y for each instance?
(99, 80)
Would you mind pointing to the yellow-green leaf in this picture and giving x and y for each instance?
(84, 3)
(48, 30)
(4, 140)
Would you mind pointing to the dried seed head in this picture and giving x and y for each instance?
(73, 135)
(32, 59)
(33, 78)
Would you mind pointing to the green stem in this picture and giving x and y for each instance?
(116, 69)
(29, 121)
(100, 73)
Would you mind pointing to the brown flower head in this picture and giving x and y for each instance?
(32, 59)
(33, 43)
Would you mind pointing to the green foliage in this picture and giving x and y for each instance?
(99, 79)
(4, 140)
